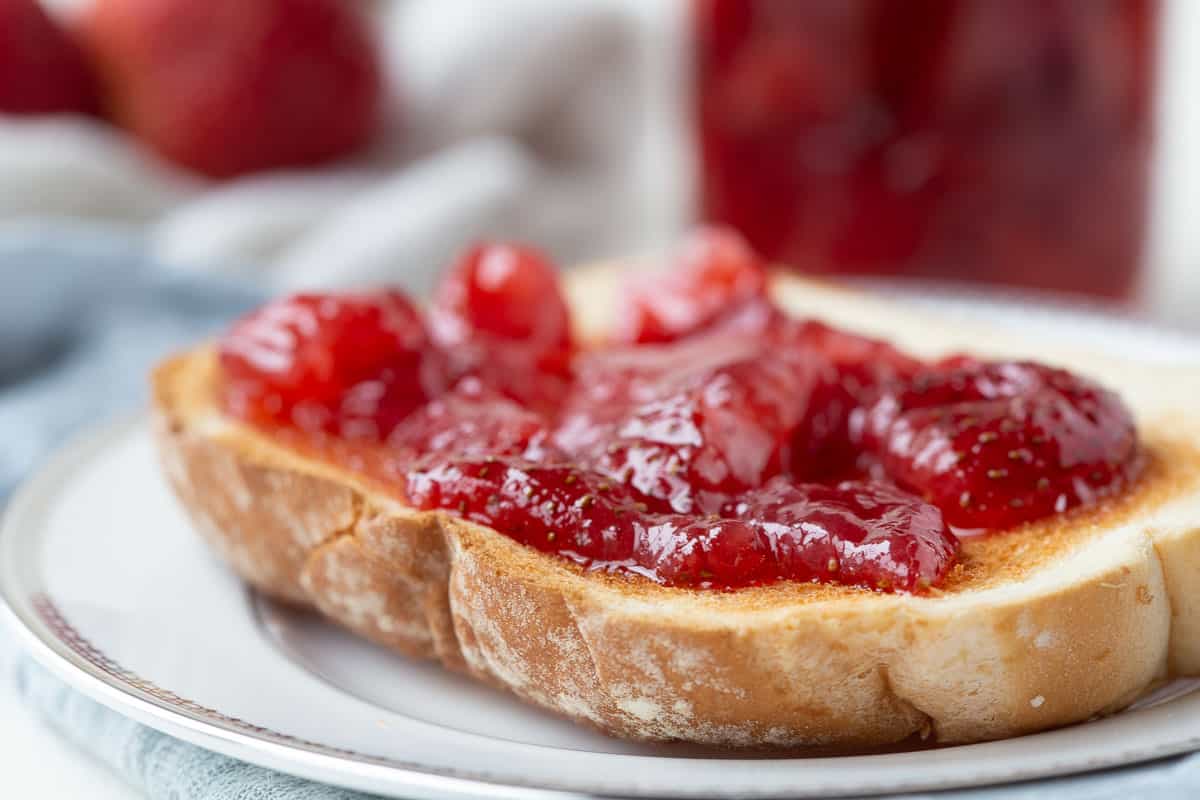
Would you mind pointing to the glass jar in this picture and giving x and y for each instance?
(992, 140)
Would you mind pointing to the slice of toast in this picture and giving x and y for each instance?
(1045, 625)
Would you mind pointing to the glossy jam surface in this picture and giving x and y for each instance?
(719, 444)
(692, 424)
(994, 445)
(993, 140)
(499, 319)
(714, 275)
(352, 364)
(856, 533)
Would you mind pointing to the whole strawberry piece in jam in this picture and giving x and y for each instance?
(689, 424)
(714, 275)
(997, 444)
(41, 69)
(499, 316)
(350, 364)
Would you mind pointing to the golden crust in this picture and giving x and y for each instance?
(1041, 627)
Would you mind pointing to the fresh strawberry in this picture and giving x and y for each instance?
(227, 87)
(41, 68)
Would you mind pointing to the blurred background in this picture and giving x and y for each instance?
(321, 142)
(1039, 143)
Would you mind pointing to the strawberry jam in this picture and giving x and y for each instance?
(714, 275)
(859, 534)
(713, 442)
(997, 444)
(692, 424)
(990, 140)
(350, 364)
(499, 318)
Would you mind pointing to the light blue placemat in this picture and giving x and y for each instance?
(82, 318)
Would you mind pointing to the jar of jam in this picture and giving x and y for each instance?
(993, 140)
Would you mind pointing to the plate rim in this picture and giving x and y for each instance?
(361, 772)
(304, 759)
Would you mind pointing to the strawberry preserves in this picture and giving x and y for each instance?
(691, 424)
(859, 534)
(720, 443)
(715, 275)
(992, 140)
(349, 364)
(499, 319)
(1002, 443)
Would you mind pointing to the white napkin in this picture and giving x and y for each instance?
(514, 119)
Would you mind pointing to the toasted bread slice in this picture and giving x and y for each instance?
(1045, 625)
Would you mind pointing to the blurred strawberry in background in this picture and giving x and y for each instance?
(228, 87)
(41, 68)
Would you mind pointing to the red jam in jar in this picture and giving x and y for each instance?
(993, 140)
(712, 442)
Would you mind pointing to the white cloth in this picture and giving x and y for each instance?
(514, 119)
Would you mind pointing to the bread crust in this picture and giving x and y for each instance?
(1043, 628)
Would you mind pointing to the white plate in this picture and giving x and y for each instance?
(112, 591)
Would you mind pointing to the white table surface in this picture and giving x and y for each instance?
(40, 764)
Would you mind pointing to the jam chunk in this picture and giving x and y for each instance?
(351, 364)
(842, 371)
(859, 534)
(555, 508)
(849, 370)
(855, 532)
(499, 318)
(697, 421)
(470, 420)
(689, 424)
(997, 444)
(715, 273)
